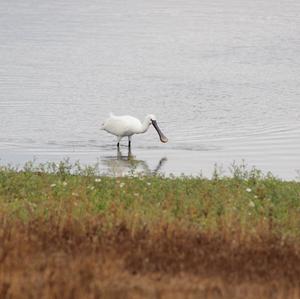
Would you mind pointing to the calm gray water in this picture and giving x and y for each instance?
(222, 78)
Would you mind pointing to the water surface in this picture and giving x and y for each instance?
(222, 78)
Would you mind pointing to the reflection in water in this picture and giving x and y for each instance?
(120, 165)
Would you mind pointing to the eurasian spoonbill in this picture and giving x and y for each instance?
(126, 125)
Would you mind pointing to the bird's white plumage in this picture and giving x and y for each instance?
(126, 125)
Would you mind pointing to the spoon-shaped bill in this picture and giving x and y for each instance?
(162, 137)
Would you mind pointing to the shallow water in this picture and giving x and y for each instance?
(223, 80)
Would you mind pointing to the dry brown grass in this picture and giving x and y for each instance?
(69, 258)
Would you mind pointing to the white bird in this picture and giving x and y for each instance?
(127, 125)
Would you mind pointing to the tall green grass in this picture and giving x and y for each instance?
(247, 200)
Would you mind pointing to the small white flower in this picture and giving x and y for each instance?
(122, 185)
(75, 194)
(251, 204)
(91, 187)
(248, 189)
(52, 185)
(97, 180)
(149, 184)
(65, 183)
(255, 196)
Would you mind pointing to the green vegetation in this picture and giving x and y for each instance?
(70, 232)
(248, 201)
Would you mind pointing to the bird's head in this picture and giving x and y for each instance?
(150, 118)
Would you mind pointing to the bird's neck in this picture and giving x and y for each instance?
(145, 126)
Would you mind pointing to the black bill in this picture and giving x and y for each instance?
(162, 137)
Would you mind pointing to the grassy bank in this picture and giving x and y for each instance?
(66, 232)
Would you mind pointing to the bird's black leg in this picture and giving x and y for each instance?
(119, 139)
(129, 141)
